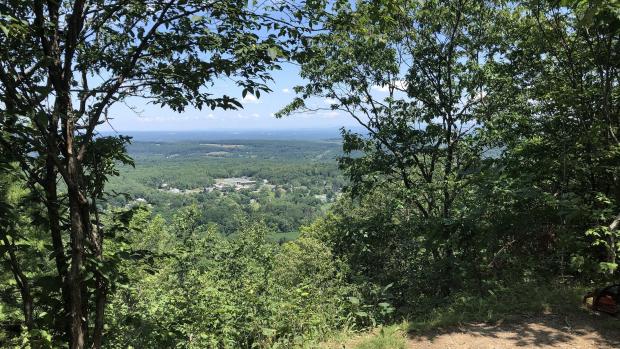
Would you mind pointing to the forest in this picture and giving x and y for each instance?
(481, 184)
(296, 181)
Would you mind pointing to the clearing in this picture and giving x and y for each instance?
(578, 330)
(582, 330)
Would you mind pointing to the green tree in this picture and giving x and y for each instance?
(489, 140)
(63, 64)
(561, 131)
(415, 76)
(206, 290)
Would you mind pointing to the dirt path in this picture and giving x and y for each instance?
(583, 331)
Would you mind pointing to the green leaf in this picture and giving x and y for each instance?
(268, 332)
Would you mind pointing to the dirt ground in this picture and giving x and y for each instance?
(579, 330)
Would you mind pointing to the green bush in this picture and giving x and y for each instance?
(208, 291)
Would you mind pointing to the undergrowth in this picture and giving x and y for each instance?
(502, 304)
(392, 337)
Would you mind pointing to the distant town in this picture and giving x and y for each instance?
(221, 184)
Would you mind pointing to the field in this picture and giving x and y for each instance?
(285, 183)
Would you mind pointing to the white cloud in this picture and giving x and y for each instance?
(244, 116)
(286, 90)
(250, 98)
(150, 119)
(176, 117)
(401, 84)
(383, 88)
(330, 101)
(329, 114)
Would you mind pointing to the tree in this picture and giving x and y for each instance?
(414, 76)
(63, 64)
(559, 132)
(9, 239)
(489, 136)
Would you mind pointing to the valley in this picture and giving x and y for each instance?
(283, 183)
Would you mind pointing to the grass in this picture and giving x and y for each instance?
(510, 303)
(383, 337)
(392, 337)
(503, 304)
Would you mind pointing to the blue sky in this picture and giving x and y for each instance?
(136, 115)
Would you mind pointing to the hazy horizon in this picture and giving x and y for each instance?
(231, 134)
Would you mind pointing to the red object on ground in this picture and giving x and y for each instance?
(607, 300)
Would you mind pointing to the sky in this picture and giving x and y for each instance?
(257, 114)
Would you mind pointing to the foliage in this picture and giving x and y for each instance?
(422, 142)
(566, 142)
(64, 64)
(487, 164)
(489, 151)
(208, 291)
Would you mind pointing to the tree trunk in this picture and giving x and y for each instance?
(75, 279)
(51, 203)
(612, 255)
(446, 288)
(100, 300)
(101, 283)
(80, 224)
